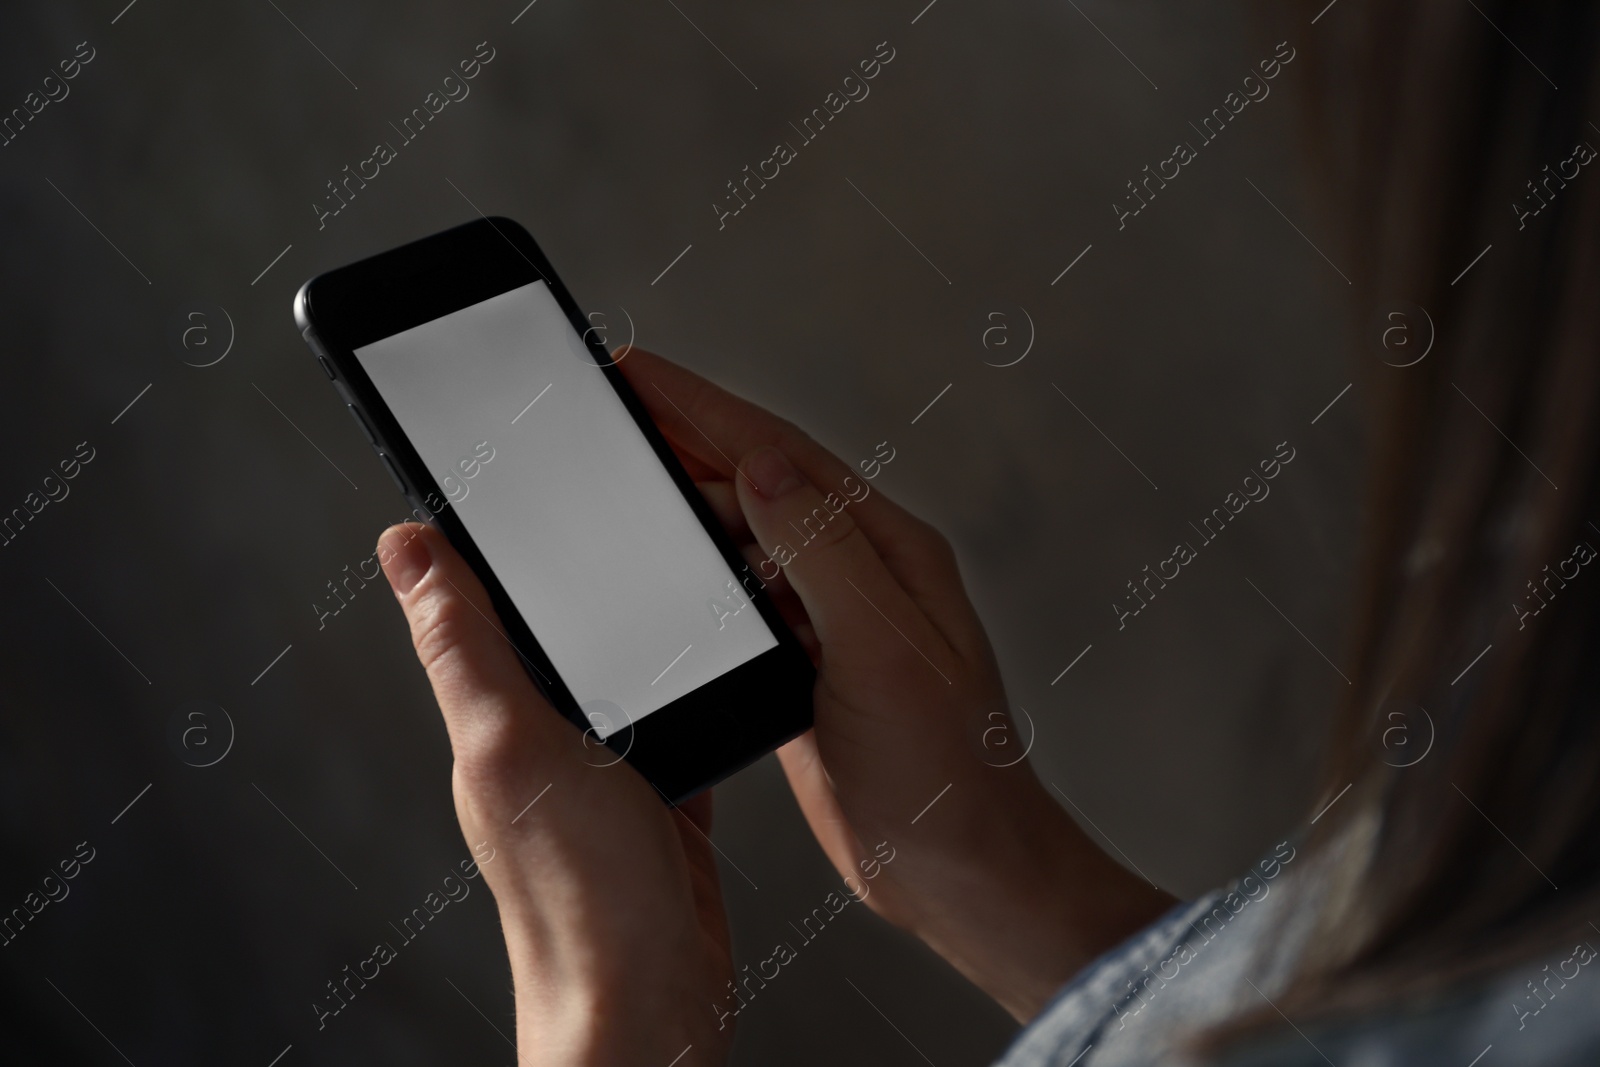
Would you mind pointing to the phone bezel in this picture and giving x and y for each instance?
(681, 748)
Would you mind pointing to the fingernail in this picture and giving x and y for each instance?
(403, 554)
(771, 472)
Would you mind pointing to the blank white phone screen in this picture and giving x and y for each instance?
(568, 503)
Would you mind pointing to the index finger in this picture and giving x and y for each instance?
(720, 429)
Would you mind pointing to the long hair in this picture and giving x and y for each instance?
(1446, 133)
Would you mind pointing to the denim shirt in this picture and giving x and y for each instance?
(1232, 951)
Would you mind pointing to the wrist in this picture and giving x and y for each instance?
(1018, 898)
(621, 1030)
(573, 1010)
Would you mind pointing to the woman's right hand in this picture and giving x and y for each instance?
(904, 759)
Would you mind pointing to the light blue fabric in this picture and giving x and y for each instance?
(1231, 951)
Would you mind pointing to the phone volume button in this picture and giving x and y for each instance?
(317, 350)
(355, 413)
(388, 465)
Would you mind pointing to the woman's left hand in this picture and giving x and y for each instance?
(608, 898)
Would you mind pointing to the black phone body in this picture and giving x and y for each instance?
(505, 421)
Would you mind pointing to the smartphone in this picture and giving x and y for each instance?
(504, 418)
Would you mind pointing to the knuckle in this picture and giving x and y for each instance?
(823, 528)
(489, 762)
(942, 549)
(794, 442)
(934, 544)
(440, 628)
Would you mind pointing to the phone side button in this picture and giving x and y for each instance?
(317, 350)
(355, 413)
(388, 465)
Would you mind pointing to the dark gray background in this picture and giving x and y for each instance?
(198, 538)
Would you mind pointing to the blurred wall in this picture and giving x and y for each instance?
(179, 177)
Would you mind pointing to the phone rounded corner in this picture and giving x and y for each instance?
(509, 229)
(507, 221)
(302, 307)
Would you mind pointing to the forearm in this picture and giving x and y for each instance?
(579, 1007)
(1026, 904)
(606, 1031)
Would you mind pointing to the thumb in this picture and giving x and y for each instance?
(501, 728)
(854, 602)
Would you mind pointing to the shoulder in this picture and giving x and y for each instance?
(1185, 972)
(1541, 1014)
(1109, 992)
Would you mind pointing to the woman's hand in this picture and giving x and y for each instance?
(609, 899)
(905, 759)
